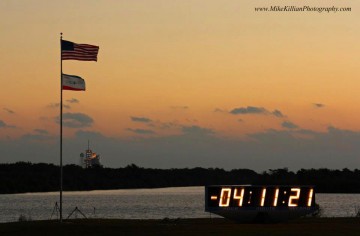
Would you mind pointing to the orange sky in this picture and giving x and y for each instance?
(157, 57)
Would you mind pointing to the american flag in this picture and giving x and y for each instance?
(80, 52)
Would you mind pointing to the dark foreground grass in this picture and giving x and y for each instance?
(183, 227)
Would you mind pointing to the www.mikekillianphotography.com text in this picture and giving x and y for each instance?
(332, 9)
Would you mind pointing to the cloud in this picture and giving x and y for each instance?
(76, 120)
(37, 138)
(163, 125)
(73, 100)
(56, 105)
(271, 149)
(9, 111)
(254, 110)
(140, 119)
(141, 131)
(277, 113)
(89, 134)
(4, 125)
(289, 125)
(41, 131)
(180, 107)
(319, 105)
(220, 110)
(248, 110)
(194, 129)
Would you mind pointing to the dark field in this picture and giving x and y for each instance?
(306, 226)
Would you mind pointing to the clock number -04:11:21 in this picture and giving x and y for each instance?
(240, 192)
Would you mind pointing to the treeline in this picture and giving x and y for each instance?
(27, 177)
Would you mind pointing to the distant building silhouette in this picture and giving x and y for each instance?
(89, 159)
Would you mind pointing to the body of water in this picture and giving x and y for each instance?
(181, 202)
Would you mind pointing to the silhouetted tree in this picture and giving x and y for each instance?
(27, 177)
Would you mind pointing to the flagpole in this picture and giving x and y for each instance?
(61, 129)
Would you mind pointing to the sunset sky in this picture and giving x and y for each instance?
(183, 83)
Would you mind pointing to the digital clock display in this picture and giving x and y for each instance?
(245, 196)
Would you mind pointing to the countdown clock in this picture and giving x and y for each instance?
(247, 203)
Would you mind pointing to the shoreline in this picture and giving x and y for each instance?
(196, 226)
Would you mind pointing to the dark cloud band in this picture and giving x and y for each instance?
(141, 119)
(76, 120)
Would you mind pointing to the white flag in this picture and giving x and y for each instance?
(73, 82)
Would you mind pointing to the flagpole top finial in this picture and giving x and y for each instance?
(61, 34)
